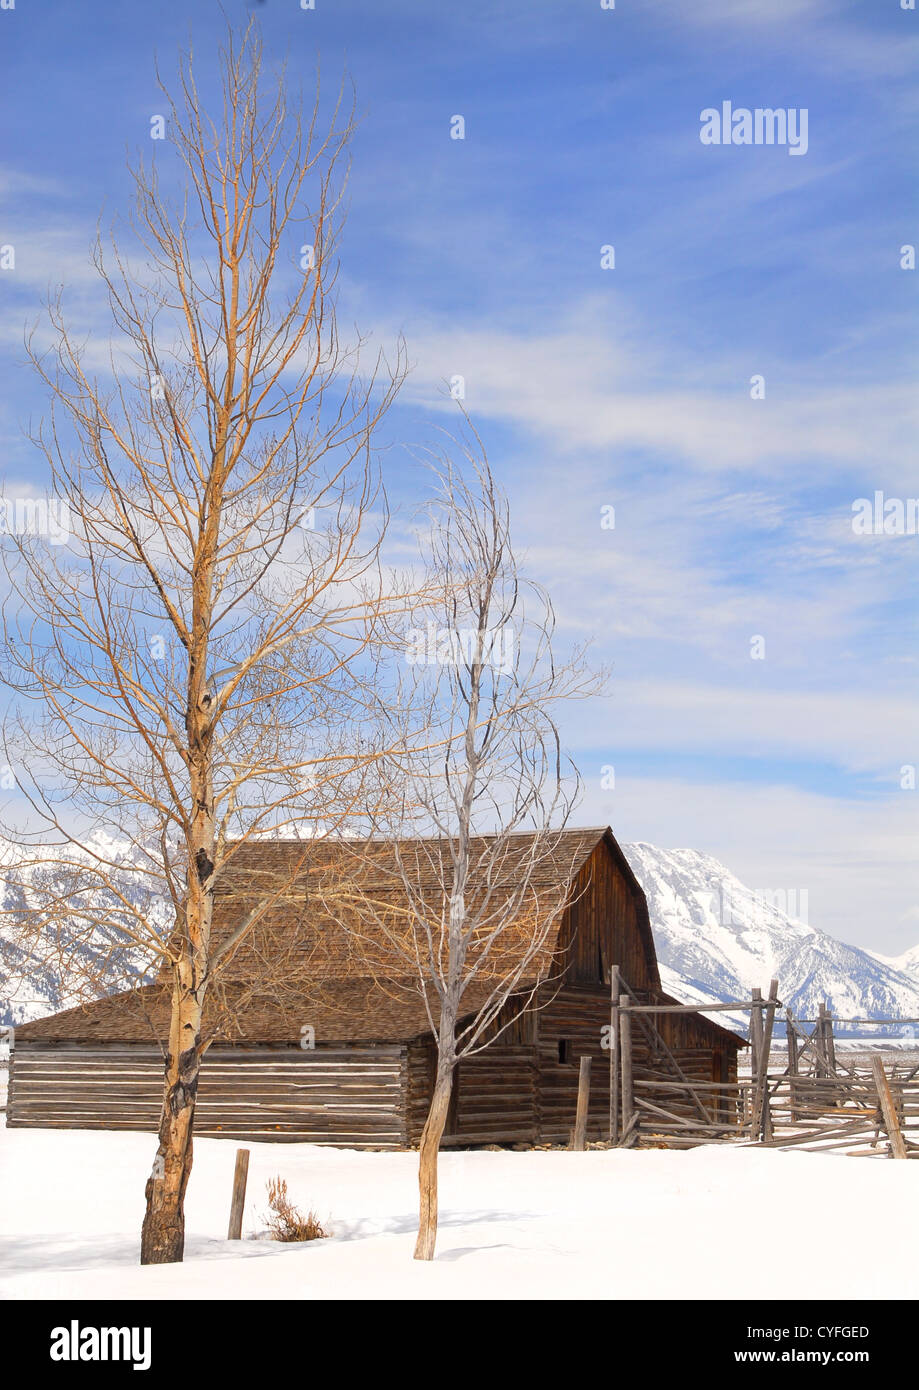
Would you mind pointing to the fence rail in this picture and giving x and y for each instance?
(817, 1101)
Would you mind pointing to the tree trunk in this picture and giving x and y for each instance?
(163, 1232)
(427, 1164)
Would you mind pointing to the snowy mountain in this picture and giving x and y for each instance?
(717, 938)
(35, 983)
(907, 964)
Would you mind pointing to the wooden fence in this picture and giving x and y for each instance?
(817, 1100)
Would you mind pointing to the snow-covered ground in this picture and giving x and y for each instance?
(713, 1222)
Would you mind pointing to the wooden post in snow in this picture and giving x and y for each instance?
(614, 1055)
(756, 1047)
(756, 1029)
(792, 1040)
(238, 1202)
(823, 1069)
(625, 1058)
(888, 1109)
(767, 1048)
(761, 1121)
(579, 1142)
(830, 1047)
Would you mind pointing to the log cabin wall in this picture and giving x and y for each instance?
(571, 1027)
(493, 1100)
(330, 1095)
(496, 1097)
(421, 1060)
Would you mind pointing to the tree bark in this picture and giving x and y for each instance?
(163, 1231)
(431, 1136)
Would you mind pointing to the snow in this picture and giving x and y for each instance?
(907, 963)
(537, 1224)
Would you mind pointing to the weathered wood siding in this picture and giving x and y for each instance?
(351, 1096)
(494, 1095)
(572, 1026)
(607, 924)
(496, 1098)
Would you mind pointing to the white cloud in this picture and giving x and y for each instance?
(860, 732)
(583, 387)
(748, 14)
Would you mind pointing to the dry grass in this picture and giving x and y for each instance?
(285, 1221)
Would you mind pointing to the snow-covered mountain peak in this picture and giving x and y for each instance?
(718, 939)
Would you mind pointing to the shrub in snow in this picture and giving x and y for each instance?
(287, 1222)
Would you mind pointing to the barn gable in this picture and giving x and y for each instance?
(607, 922)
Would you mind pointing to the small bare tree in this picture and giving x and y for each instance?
(462, 885)
(191, 668)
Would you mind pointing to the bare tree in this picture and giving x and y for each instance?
(452, 893)
(191, 669)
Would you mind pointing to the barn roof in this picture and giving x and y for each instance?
(549, 858)
(340, 909)
(339, 1011)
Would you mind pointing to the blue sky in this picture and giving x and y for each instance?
(627, 387)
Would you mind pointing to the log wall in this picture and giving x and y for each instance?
(494, 1095)
(571, 1027)
(331, 1095)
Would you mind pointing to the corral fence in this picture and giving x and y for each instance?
(812, 1095)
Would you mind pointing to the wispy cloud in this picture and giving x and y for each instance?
(581, 385)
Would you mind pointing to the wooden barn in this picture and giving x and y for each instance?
(342, 1056)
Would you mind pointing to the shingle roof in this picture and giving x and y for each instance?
(341, 910)
(351, 1010)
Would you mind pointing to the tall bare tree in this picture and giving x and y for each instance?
(480, 805)
(191, 668)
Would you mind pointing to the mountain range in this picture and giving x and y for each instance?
(717, 939)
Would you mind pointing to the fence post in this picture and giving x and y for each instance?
(614, 1055)
(823, 1068)
(238, 1202)
(830, 1047)
(888, 1109)
(756, 1048)
(792, 1040)
(756, 1028)
(579, 1142)
(625, 1058)
(761, 1121)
